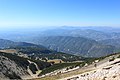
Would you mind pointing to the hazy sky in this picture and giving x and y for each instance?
(59, 12)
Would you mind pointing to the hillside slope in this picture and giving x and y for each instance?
(9, 69)
(103, 68)
(114, 42)
(30, 62)
(106, 69)
(15, 67)
(76, 45)
(8, 43)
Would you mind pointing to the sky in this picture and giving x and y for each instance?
(16, 13)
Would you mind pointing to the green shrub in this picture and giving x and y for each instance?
(111, 59)
(33, 68)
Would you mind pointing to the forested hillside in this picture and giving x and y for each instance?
(76, 45)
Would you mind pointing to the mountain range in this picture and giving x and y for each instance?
(75, 45)
(36, 54)
(8, 43)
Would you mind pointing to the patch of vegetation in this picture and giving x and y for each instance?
(57, 55)
(89, 60)
(111, 59)
(59, 66)
(42, 64)
(33, 68)
(35, 50)
(118, 56)
(45, 54)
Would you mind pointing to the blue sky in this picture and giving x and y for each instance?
(59, 12)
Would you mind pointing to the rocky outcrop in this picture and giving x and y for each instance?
(109, 70)
(10, 70)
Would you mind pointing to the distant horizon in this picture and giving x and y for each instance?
(55, 26)
(39, 28)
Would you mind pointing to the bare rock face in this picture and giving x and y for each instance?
(10, 70)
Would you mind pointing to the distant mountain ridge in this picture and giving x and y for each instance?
(88, 33)
(93, 32)
(76, 45)
(8, 43)
(113, 42)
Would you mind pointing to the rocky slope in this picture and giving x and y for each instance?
(15, 67)
(10, 70)
(107, 69)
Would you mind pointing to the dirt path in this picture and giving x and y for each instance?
(30, 72)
